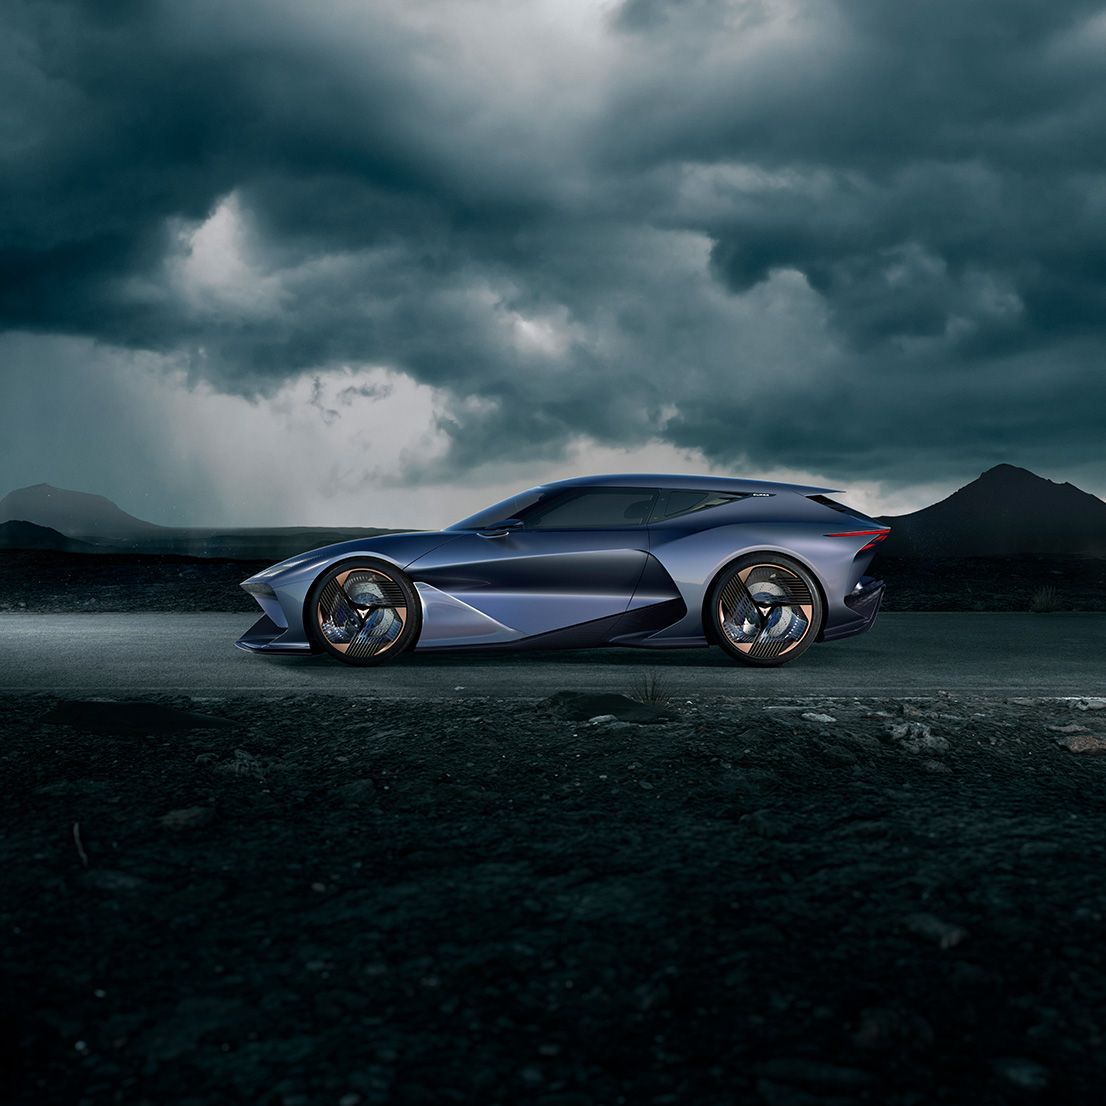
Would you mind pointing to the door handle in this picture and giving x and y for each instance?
(502, 530)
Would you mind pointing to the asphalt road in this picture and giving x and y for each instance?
(905, 654)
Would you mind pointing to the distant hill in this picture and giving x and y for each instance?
(79, 515)
(75, 514)
(18, 534)
(1005, 512)
(244, 544)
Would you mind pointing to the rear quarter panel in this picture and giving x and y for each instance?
(694, 549)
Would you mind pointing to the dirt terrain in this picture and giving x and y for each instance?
(298, 901)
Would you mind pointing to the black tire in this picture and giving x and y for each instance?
(363, 612)
(764, 610)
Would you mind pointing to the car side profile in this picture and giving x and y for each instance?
(762, 570)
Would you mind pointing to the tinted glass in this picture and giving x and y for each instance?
(591, 509)
(497, 512)
(673, 502)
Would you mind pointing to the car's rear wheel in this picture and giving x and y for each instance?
(363, 612)
(765, 610)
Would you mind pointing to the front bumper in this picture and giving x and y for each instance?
(863, 604)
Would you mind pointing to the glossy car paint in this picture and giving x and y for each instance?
(642, 585)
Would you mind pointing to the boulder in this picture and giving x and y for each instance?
(582, 706)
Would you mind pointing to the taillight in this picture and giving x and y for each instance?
(876, 535)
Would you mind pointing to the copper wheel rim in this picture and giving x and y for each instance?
(765, 611)
(361, 612)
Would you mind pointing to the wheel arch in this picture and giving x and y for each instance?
(786, 554)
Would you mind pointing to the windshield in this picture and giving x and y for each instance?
(497, 512)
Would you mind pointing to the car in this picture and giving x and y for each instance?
(762, 570)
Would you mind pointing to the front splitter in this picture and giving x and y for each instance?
(265, 636)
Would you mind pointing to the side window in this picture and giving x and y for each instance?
(673, 502)
(593, 509)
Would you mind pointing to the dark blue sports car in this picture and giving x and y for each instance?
(762, 570)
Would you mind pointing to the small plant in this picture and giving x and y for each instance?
(651, 688)
(1044, 600)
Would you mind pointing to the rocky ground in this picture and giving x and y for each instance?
(993, 583)
(63, 582)
(60, 582)
(786, 902)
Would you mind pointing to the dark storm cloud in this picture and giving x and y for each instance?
(933, 155)
(769, 231)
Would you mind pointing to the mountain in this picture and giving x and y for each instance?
(1005, 512)
(75, 514)
(111, 530)
(17, 534)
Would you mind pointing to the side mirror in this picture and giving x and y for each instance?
(501, 529)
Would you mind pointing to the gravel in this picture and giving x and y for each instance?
(487, 901)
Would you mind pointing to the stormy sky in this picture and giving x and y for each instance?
(380, 262)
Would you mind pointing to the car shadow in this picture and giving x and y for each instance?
(612, 657)
(536, 658)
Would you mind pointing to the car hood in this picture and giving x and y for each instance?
(399, 549)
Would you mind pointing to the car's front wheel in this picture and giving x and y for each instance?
(363, 612)
(765, 610)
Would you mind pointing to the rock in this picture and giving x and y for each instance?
(243, 763)
(358, 791)
(814, 1074)
(866, 741)
(1039, 848)
(582, 706)
(133, 719)
(195, 1016)
(107, 879)
(195, 895)
(189, 817)
(1090, 704)
(770, 1093)
(765, 824)
(1019, 1072)
(1085, 743)
(74, 788)
(931, 928)
(939, 767)
(836, 753)
(565, 1098)
(971, 977)
(882, 1028)
(865, 828)
(917, 737)
(813, 716)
